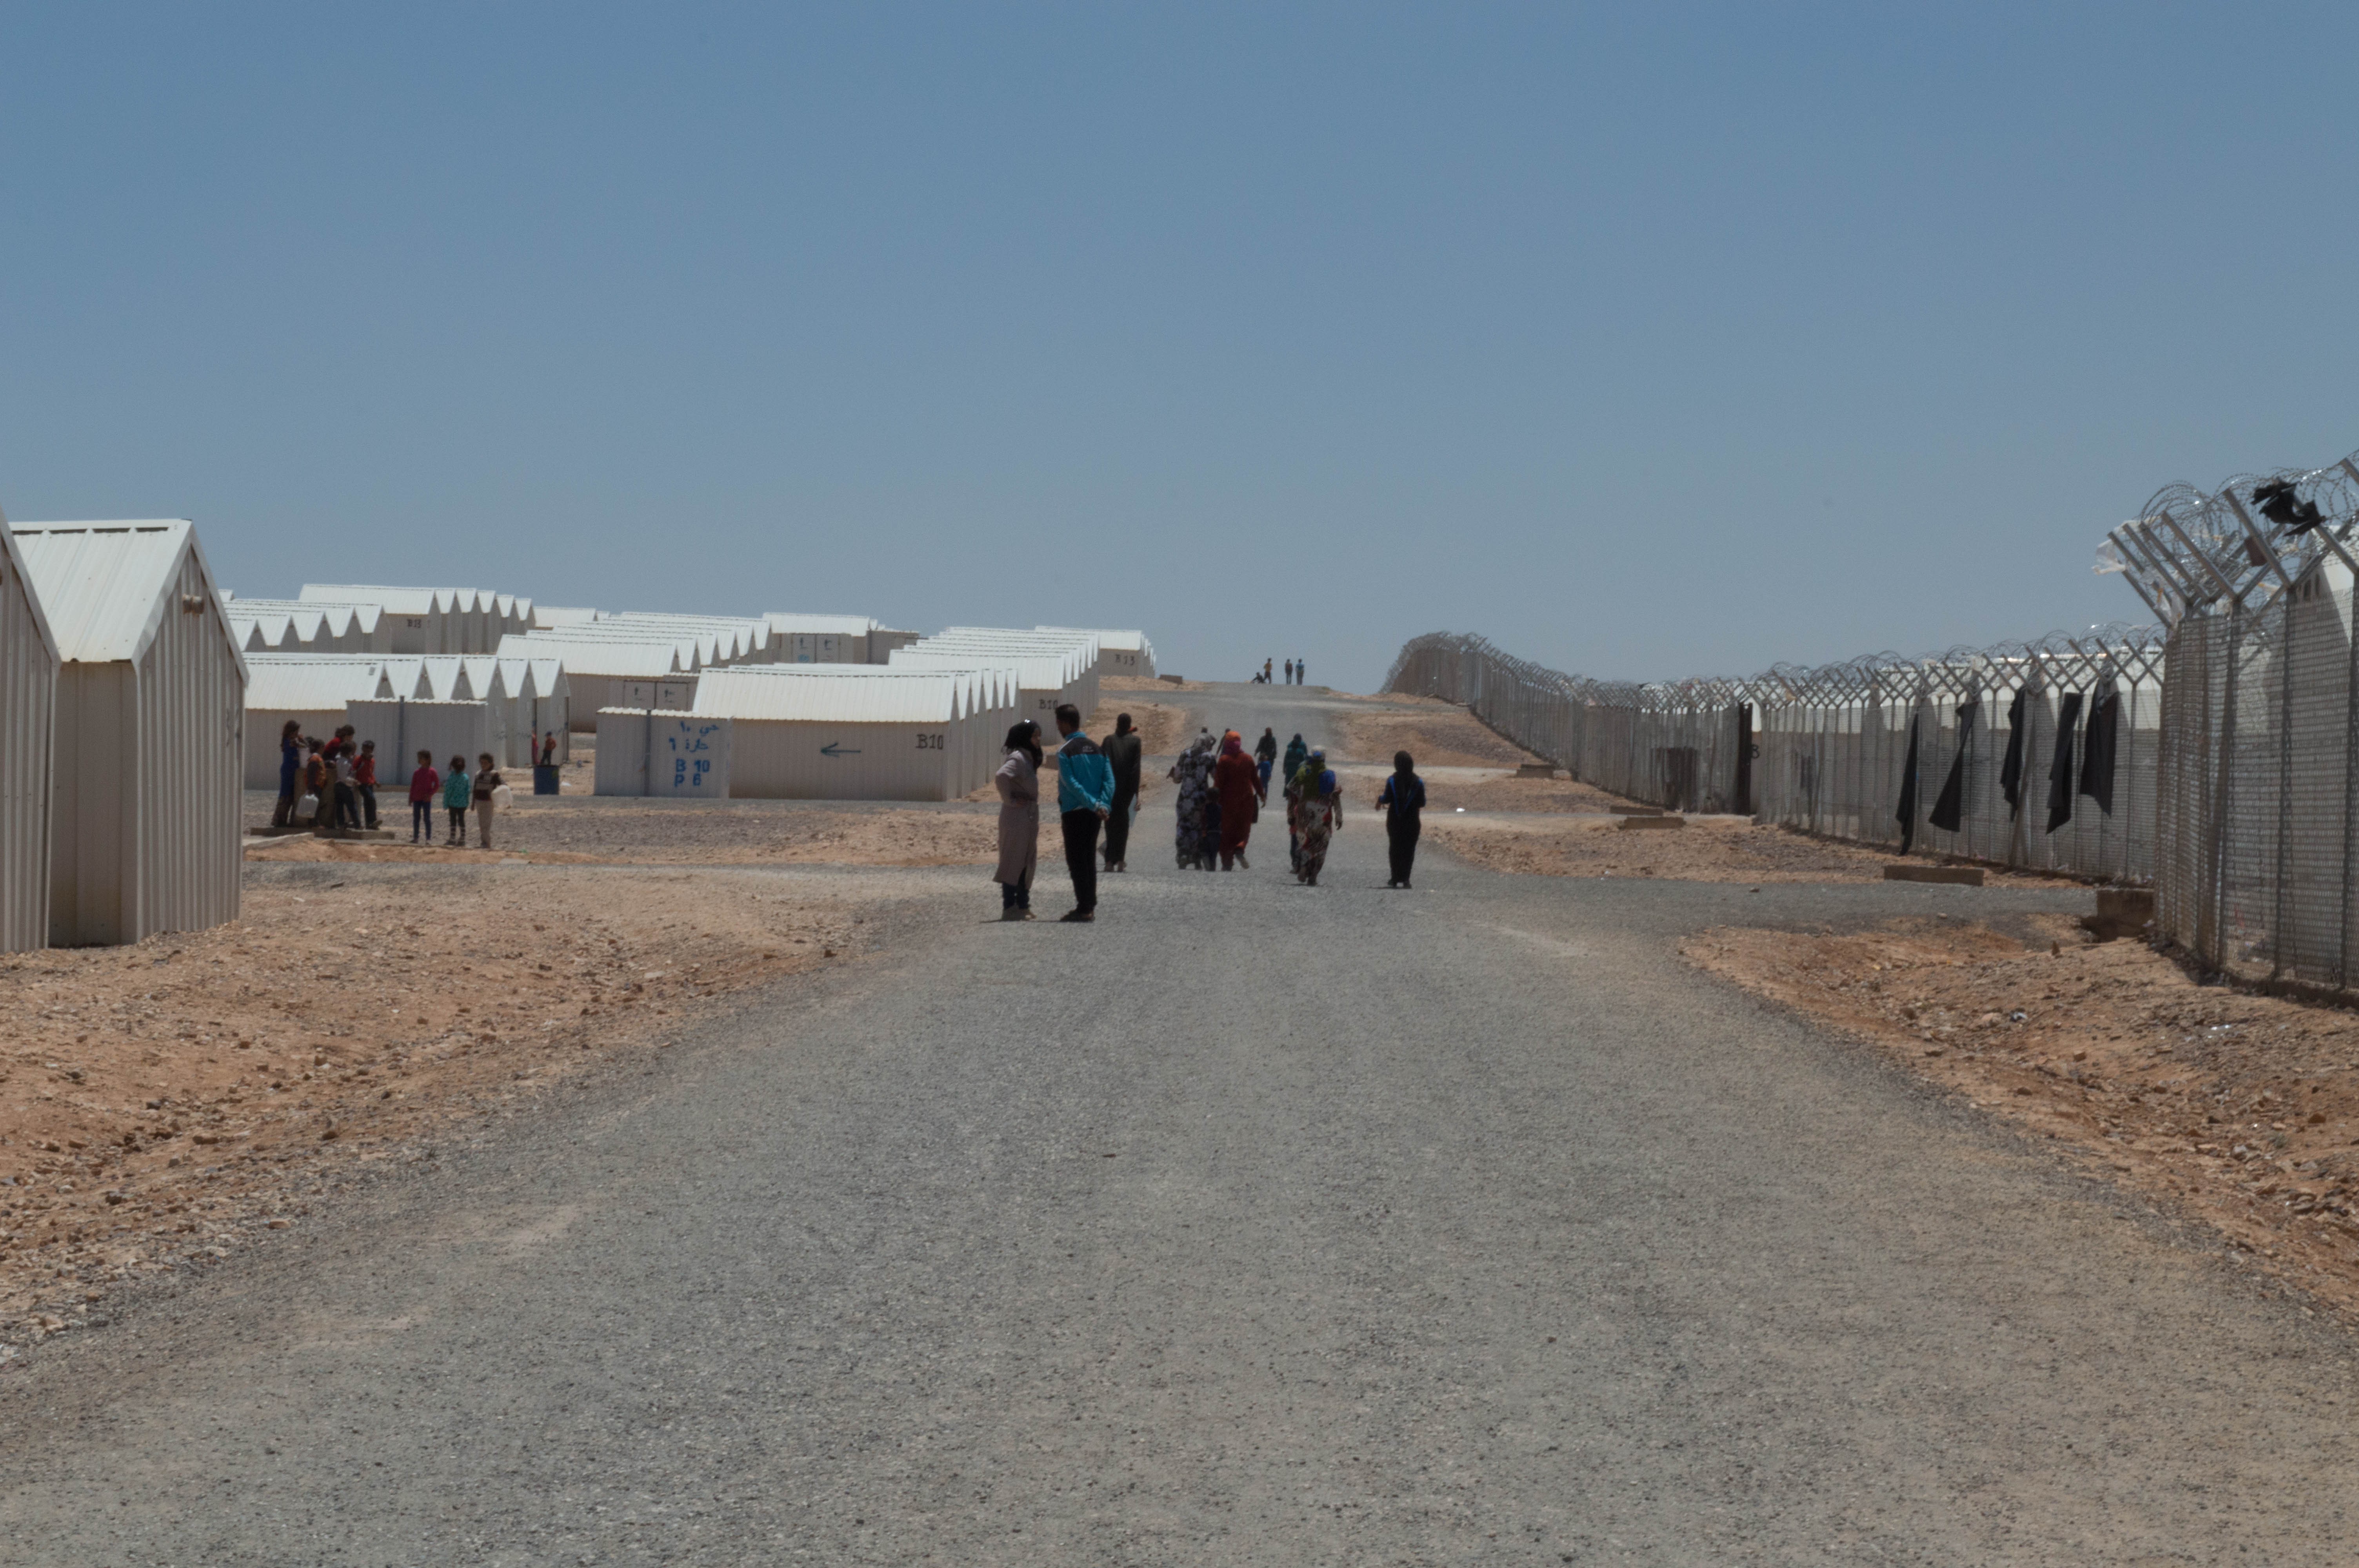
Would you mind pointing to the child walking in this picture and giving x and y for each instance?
(458, 789)
(424, 784)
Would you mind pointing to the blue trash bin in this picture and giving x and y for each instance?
(544, 780)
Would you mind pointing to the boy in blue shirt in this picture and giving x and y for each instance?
(1084, 799)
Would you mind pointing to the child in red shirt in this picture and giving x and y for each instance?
(424, 783)
(365, 779)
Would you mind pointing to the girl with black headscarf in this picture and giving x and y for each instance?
(1019, 781)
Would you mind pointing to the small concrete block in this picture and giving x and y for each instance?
(1628, 823)
(1636, 810)
(2127, 907)
(1536, 770)
(1958, 876)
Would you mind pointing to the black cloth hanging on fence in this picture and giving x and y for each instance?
(1950, 809)
(2097, 751)
(2010, 772)
(1908, 812)
(2060, 766)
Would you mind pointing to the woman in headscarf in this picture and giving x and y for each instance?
(1295, 755)
(1321, 812)
(1019, 781)
(1237, 782)
(1193, 774)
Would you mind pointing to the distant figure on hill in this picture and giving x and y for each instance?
(1264, 674)
(1125, 751)
(1300, 671)
(1403, 799)
(1289, 672)
(424, 784)
(457, 791)
(1084, 800)
(1018, 783)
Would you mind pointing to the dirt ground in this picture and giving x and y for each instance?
(1708, 848)
(1437, 734)
(628, 832)
(163, 1104)
(1135, 683)
(2237, 1110)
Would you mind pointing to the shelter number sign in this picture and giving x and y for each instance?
(692, 758)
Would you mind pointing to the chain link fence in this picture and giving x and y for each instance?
(2044, 756)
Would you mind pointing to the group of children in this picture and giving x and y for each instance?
(339, 777)
(460, 792)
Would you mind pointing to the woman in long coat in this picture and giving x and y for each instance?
(1321, 813)
(1019, 781)
(1193, 774)
(1237, 782)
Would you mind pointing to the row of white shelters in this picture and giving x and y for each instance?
(308, 692)
(857, 732)
(28, 700)
(601, 672)
(433, 620)
(1051, 668)
(293, 626)
(1124, 654)
(144, 753)
(523, 699)
(811, 639)
(737, 639)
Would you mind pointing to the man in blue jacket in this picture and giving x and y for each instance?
(1084, 798)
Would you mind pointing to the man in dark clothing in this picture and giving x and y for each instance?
(1265, 758)
(1084, 799)
(1403, 799)
(1124, 752)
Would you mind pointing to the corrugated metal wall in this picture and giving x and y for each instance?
(189, 765)
(29, 695)
(774, 759)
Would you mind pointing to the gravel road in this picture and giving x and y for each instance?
(1254, 1224)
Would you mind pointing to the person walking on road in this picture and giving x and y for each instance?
(486, 781)
(1295, 755)
(1265, 758)
(1193, 774)
(457, 791)
(1403, 799)
(1084, 799)
(424, 784)
(1237, 785)
(1124, 751)
(1018, 783)
(1323, 815)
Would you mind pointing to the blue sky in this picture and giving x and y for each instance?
(1647, 340)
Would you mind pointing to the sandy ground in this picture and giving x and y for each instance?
(161, 1104)
(1130, 682)
(632, 832)
(2238, 1111)
(1437, 734)
(1708, 848)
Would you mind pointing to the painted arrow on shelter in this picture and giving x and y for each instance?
(836, 748)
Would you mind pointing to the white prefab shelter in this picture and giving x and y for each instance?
(740, 639)
(804, 733)
(549, 617)
(598, 670)
(402, 727)
(293, 626)
(432, 619)
(1044, 677)
(1079, 650)
(538, 696)
(28, 698)
(311, 692)
(144, 787)
(1126, 653)
(824, 639)
(662, 752)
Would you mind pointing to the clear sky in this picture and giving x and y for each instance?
(1647, 339)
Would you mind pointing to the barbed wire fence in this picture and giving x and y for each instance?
(2214, 754)
(2044, 756)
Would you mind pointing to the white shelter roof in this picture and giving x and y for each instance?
(592, 655)
(549, 616)
(854, 694)
(106, 588)
(797, 622)
(294, 683)
(396, 601)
